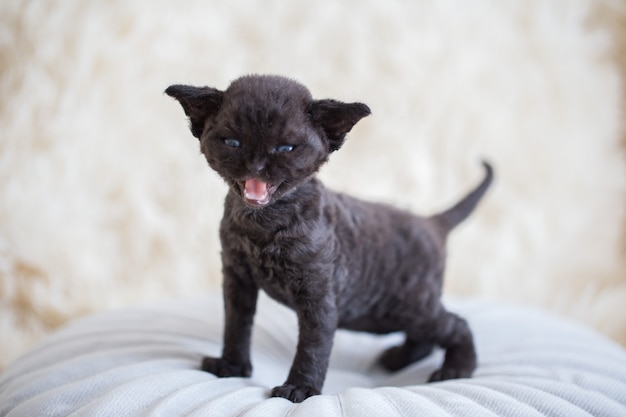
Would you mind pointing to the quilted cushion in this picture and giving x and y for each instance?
(144, 362)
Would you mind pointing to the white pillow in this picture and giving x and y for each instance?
(145, 362)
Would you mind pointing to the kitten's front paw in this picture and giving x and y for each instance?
(294, 393)
(222, 368)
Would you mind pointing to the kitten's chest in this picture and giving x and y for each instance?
(274, 269)
(270, 261)
(283, 262)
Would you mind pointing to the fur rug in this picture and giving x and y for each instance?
(105, 200)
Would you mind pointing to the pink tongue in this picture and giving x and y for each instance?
(256, 190)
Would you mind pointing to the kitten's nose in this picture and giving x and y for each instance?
(256, 166)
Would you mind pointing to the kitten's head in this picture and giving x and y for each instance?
(265, 134)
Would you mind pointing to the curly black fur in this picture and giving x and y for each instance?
(338, 261)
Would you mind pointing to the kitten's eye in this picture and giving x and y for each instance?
(283, 148)
(232, 143)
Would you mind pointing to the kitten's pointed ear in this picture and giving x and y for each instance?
(198, 102)
(336, 119)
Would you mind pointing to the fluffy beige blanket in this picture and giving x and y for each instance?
(105, 200)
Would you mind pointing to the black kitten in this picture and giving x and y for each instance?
(339, 262)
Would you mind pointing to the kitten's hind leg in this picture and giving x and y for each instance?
(397, 357)
(448, 331)
(452, 333)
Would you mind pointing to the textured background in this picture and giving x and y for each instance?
(105, 200)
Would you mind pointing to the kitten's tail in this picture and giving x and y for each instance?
(461, 210)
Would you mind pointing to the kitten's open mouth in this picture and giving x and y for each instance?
(256, 193)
